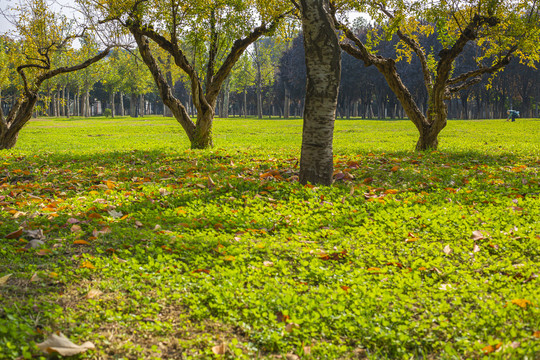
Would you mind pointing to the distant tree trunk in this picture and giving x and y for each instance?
(122, 108)
(258, 80)
(86, 104)
(133, 105)
(323, 64)
(287, 104)
(59, 99)
(113, 106)
(226, 96)
(245, 103)
(47, 103)
(55, 104)
(66, 105)
(75, 103)
(142, 107)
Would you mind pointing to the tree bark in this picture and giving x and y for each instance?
(66, 105)
(286, 104)
(122, 108)
(142, 107)
(133, 105)
(226, 95)
(258, 80)
(323, 64)
(113, 107)
(245, 104)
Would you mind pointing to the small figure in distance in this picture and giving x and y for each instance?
(512, 114)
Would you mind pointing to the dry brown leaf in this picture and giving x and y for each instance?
(447, 250)
(477, 235)
(76, 229)
(220, 349)
(14, 235)
(58, 343)
(4, 279)
(307, 350)
(291, 326)
(268, 263)
(115, 214)
(81, 242)
(138, 224)
(94, 293)
(164, 192)
(104, 231)
(292, 357)
(476, 248)
(35, 278)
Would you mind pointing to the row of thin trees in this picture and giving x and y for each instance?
(364, 91)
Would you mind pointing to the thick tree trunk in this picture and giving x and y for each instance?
(201, 137)
(11, 125)
(428, 139)
(323, 64)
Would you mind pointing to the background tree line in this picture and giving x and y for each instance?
(269, 81)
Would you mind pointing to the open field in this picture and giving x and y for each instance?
(150, 250)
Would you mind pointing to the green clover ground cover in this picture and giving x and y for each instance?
(150, 250)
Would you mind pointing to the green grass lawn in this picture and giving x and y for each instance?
(150, 250)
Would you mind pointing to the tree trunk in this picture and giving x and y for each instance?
(258, 80)
(133, 105)
(287, 104)
(113, 107)
(226, 95)
(245, 103)
(18, 116)
(77, 103)
(66, 105)
(122, 108)
(142, 107)
(201, 137)
(86, 104)
(323, 64)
